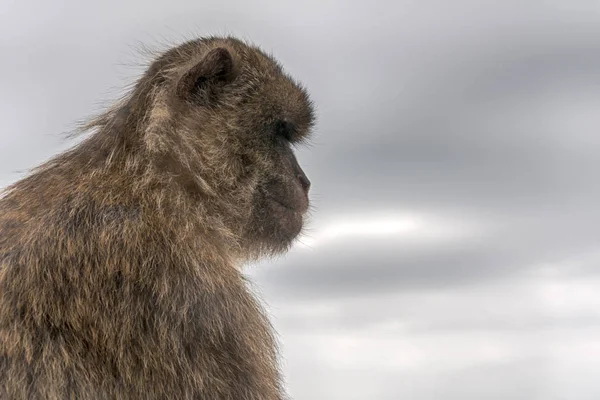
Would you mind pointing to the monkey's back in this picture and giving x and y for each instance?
(100, 298)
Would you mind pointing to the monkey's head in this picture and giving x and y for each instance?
(223, 118)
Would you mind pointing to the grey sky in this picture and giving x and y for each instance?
(453, 251)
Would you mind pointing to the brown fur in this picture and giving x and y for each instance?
(120, 259)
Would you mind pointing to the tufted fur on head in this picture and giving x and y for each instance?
(119, 259)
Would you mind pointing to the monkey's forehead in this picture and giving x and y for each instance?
(292, 101)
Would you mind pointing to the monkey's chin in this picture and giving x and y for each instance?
(273, 228)
(289, 220)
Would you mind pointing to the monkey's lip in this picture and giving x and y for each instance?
(285, 205)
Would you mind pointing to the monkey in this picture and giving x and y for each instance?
(121, 258)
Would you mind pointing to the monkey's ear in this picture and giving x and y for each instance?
(215, 68)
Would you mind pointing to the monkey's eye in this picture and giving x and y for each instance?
(285, 130)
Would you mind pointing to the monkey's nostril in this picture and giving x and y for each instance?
(304, 182)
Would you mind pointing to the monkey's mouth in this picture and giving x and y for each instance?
(283, 204)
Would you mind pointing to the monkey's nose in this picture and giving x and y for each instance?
(304, 182)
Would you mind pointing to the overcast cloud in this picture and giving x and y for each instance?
(454, 249)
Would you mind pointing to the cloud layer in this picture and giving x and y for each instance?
(453, 251)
